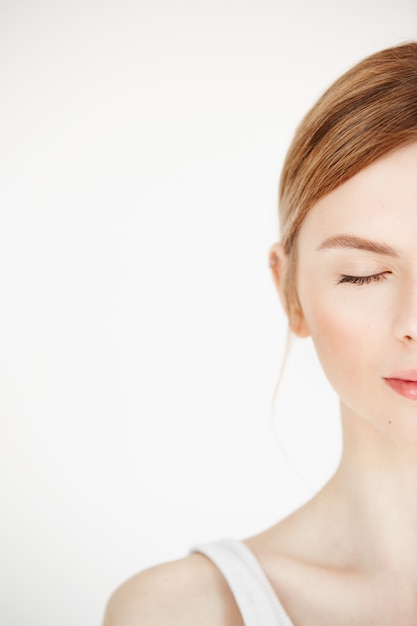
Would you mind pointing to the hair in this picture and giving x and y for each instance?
(369, 111)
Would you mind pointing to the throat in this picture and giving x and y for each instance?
(373, 497)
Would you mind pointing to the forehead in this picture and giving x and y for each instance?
(380, 202)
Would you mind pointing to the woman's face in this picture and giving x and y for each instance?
(357, 286)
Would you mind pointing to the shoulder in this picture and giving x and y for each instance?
(181, 593)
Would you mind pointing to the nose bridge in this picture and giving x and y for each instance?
(406, 311)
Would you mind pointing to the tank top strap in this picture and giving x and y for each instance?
(254, 594)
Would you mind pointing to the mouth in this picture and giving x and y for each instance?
(404, 383)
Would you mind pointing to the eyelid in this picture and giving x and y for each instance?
(363, 280)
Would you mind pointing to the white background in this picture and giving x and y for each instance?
(140, 335)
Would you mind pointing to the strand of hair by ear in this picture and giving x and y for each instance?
(274, 420)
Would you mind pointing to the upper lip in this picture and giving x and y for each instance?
(408, 375)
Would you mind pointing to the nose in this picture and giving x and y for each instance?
(405, 324)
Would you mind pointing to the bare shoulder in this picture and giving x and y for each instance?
(181, 593)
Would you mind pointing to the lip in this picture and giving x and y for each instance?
(404, 382)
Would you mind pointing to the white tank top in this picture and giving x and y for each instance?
(254, 594)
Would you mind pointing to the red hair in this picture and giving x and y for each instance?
(369, 111)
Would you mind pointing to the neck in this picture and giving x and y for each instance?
(375, 493)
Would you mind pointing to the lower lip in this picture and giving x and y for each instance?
(406, 388)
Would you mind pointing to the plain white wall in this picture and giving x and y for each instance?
(140, 335)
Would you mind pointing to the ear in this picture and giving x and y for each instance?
(278, 262)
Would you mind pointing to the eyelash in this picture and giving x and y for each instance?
(363, 280)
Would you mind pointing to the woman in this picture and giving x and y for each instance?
(346, 271)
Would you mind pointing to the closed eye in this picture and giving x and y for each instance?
(363, 280)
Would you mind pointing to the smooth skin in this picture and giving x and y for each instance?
(349, 556)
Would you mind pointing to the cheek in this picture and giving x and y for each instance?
(340, 340)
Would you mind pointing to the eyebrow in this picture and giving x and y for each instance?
(359, 243)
